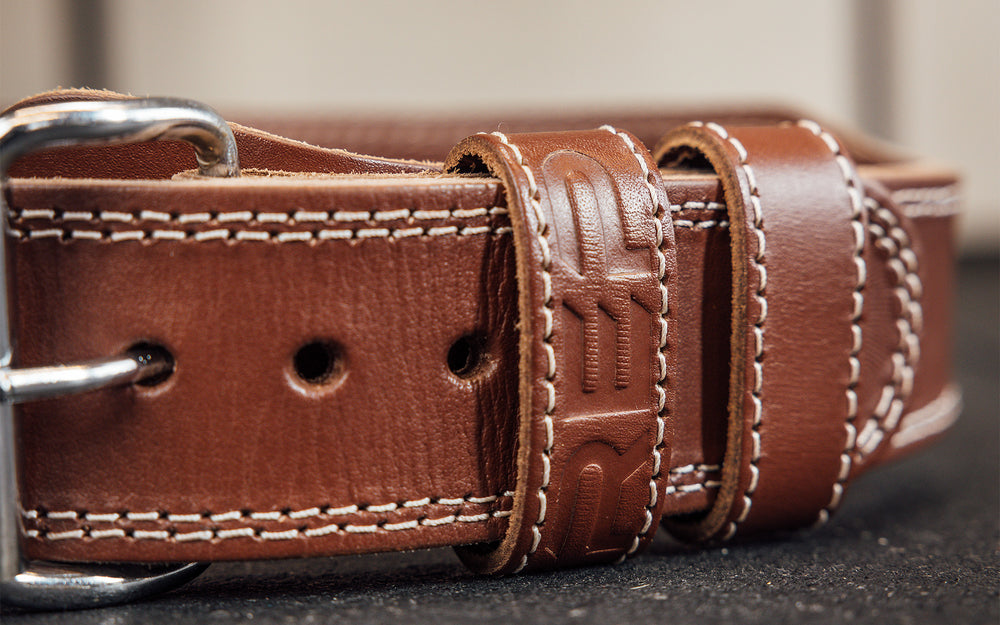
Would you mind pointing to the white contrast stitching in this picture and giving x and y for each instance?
(262, 236)
(38, 213)
(117, 216)
(351, 216)
(930, 209)
(695, 468)
(71, 215)
(316, 511)
(245, 216)
(392, 215)
(676, 208)
(706, 224)
(854, 364)
(64, 535)
(541, 235)
(151, 216)
(685, 489)
(191, 218)
(442, 230)
(757, 224)
(893, 240)
(250, 532)
(250, 217)
(64, 514)
(270, 515)
(947, 194)
(661, 394)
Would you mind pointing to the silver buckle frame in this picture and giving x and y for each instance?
(48, 585)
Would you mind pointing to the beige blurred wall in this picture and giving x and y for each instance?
(930, 73)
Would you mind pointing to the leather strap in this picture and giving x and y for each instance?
(798, 276)
(422, 293)
(594, 267)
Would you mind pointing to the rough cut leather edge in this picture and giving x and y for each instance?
(586, 209)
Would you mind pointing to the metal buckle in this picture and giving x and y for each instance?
(48, 585)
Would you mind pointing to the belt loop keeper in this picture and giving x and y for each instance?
(596, 270)
(798, 278)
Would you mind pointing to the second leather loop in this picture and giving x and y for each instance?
(798, 277)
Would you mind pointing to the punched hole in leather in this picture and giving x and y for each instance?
(468, 355)
(153, 351)
(319, 363)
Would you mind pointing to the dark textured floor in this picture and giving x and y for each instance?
(914, 543)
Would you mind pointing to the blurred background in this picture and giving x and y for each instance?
(922, 73)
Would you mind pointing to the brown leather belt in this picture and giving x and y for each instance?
(538, 350)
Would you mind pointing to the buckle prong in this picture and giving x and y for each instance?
(34, 383)
(45, 585)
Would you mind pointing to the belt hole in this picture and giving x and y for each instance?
(157, 351)
(466, 355)
(318, 362)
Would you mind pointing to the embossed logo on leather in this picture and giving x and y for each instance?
(604, 254)
(605, 483)
(603, 273)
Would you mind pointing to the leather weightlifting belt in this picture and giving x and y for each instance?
(536, 346)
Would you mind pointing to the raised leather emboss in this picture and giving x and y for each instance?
(601, 261)
(602, 277)
(605, 461)
(584, 208)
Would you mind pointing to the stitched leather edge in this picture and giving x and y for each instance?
(832, 212)
(503, 156)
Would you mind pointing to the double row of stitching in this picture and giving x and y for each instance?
(598, 194)
(224, 533)
(677, 474)
(258, 236)
(34, 514)
(262, 534)
(890, 238)
(272, 515)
